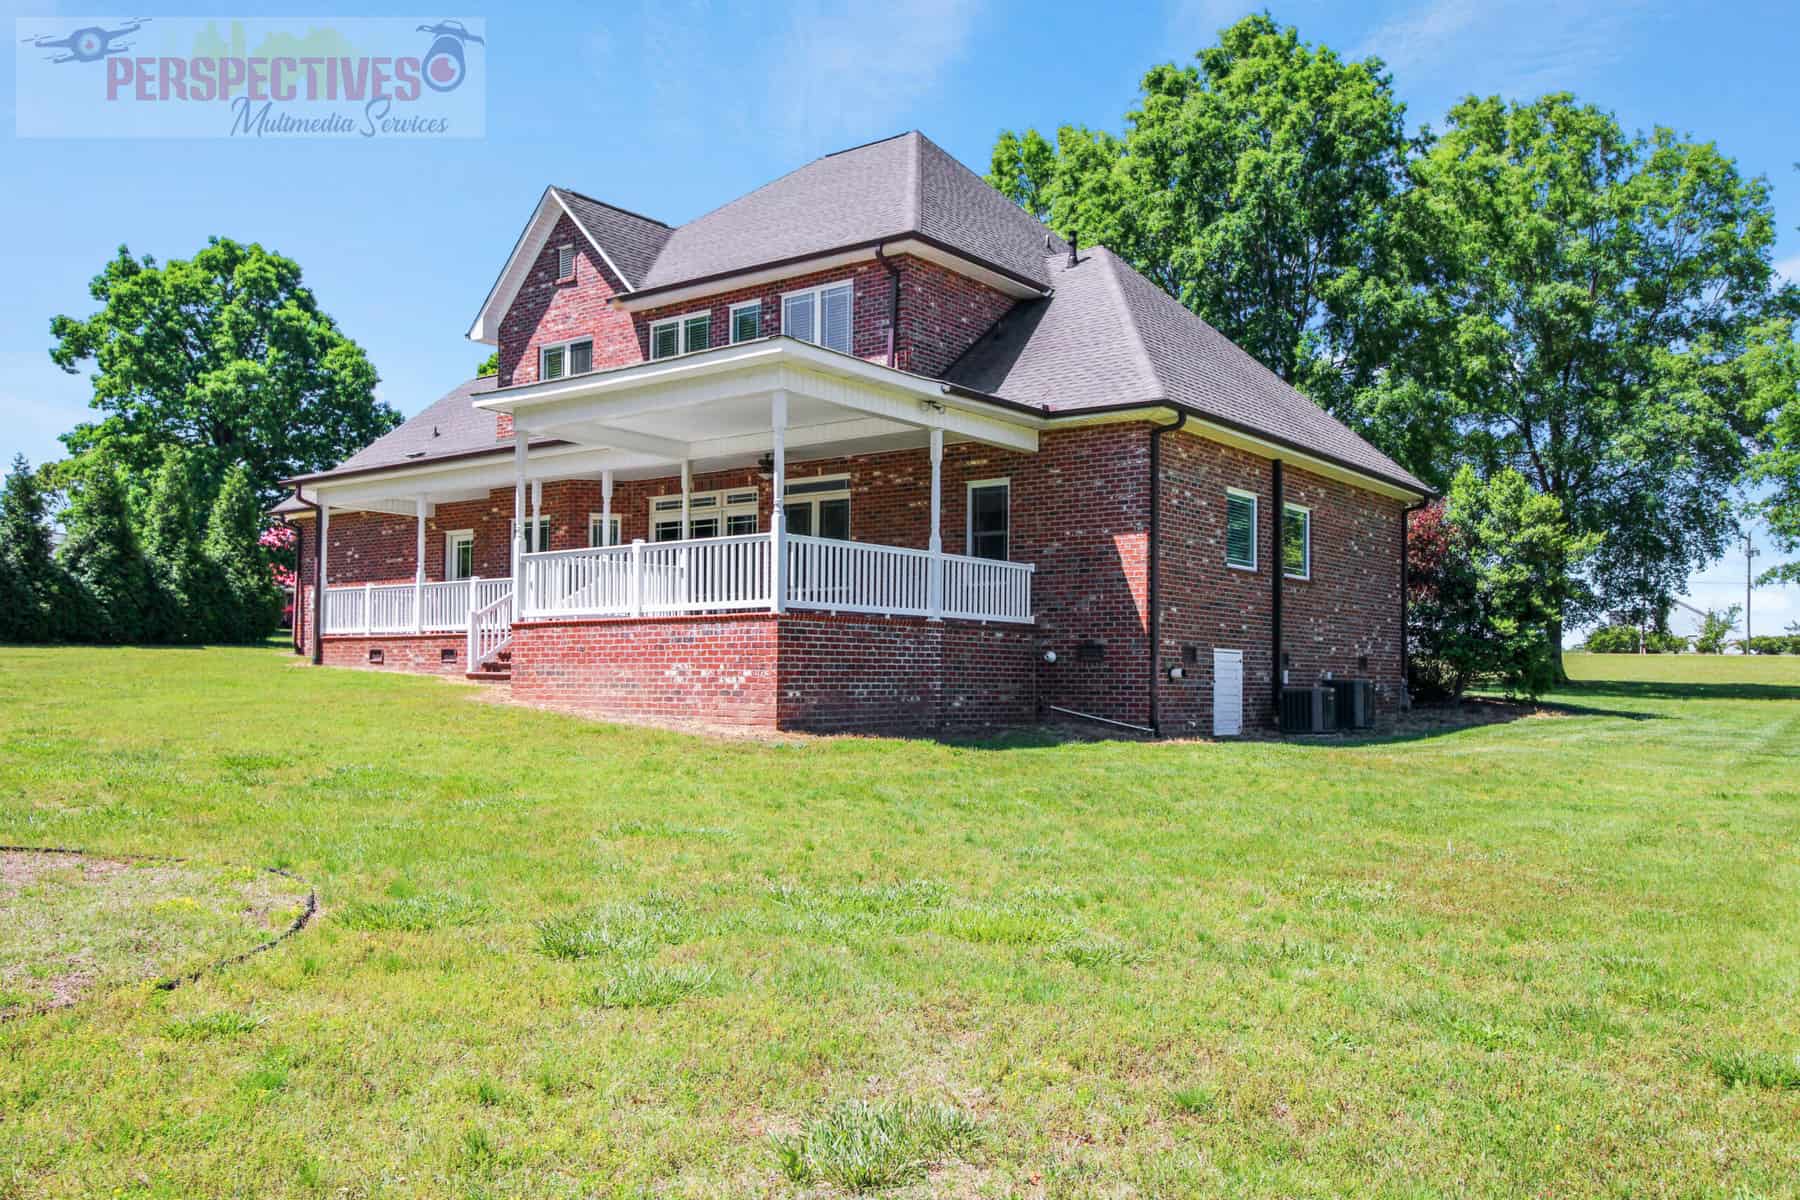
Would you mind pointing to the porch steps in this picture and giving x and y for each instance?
(497, 669)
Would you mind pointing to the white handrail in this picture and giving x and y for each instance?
(389, 608)
(490, 631)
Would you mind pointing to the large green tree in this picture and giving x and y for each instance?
(33, 597)
(1598, 304)
(226, 354)
(246, 603)
(1257, 187)
(120, 596)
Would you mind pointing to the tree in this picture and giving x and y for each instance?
(32, 592)
(1258, 187)
(1600, 298)
(489, 365)
(1492, 571)
(226, 354)
(171, 537)
(105, 563)
(248, 603)
(1715, 627)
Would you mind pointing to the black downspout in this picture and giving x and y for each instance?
(299, 560)
(1154, 597)
(893, 303)
(318, 623)
(1277, 569)
(1406, 587)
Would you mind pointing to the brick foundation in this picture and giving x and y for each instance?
(421, 654)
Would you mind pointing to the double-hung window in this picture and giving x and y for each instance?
(537, 535)
(990, 518)
(459, 553)
(818, 507)
(566, 358)
(681, 335)
(746, 321)
(603, 529)
(1296, 541)
(1240, 530)
(710, 514)
(822, 315)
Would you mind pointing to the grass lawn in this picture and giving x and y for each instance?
(555, 958)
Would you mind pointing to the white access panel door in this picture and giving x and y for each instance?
(1228, 693)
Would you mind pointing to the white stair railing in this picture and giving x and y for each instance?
(490, 631)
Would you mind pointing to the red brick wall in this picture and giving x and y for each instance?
(809, 671)
(420, 655)
(1346, 612)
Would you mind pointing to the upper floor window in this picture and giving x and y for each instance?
(566, 358)
(1296, 541)
(746, 321)
(1240, 530)
(822, 315)
(990, 518)
(680, 335)
(565, 262)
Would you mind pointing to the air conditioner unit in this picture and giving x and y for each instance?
(1355, 703)
(1308, 710)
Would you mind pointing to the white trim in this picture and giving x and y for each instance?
(612, 519)
(731, 337)
(566, 346)
(1255, 532)
(969, 515)
(1306, 545)
(486, 326)
(681, 334)
(817, 292)
(451, 538)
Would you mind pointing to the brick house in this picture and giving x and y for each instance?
(1013, 475)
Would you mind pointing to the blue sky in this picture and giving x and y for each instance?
(671, 107)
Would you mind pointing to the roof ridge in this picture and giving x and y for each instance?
(865, 145)
(916, 164)
(609, 204)
(1139, 350)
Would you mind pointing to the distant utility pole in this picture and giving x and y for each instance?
(1750, 553)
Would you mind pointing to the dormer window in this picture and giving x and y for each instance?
(680, 335)
(821, 315)
(565, 262)
(566, 358)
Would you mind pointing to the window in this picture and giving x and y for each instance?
(1240, 530)
(603, 530)
(821, 315)
(565, 262)
(1296, 541)
(566, 358)
(818, 507)
(681, 335)
(746, 321)
(459, 554)
(730, 512)
(535, 540)
(990, 518)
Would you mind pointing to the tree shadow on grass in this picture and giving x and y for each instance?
(1622, 689)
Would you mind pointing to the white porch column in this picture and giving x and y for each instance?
(518, 540)
(687, 531)
(419, 574)
(936, 584)
(777, 509)
(606, 508)
(537, 516)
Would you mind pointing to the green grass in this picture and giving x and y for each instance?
(555, 958)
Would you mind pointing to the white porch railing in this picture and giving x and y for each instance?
(734, 574)
(409, 607)
(490, 631)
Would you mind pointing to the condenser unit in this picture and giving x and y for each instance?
(1308, 710)
(1355, 703)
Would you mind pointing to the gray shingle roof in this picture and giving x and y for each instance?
(902, 185)
(449, 426)
(1109, 337)
(630, 240)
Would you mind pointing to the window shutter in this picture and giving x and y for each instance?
(834, 325)
(1240, 531)
(797, 317)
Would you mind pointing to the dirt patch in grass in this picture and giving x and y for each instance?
(72, 924)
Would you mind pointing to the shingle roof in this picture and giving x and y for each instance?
(631, 241)
(1108, 337)
(449, 426)
(902, 185)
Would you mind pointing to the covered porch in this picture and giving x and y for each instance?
(746, 412)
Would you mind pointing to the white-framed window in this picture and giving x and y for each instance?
(459, 553)
(989, 531)
(603, 529)
(1240, 529)
(725, 513)
(537, 537)
(824, 315)
(818, 507)
(566, 358)
(1296, 541)
(565, 262)
(680, 335)
(746, 321)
